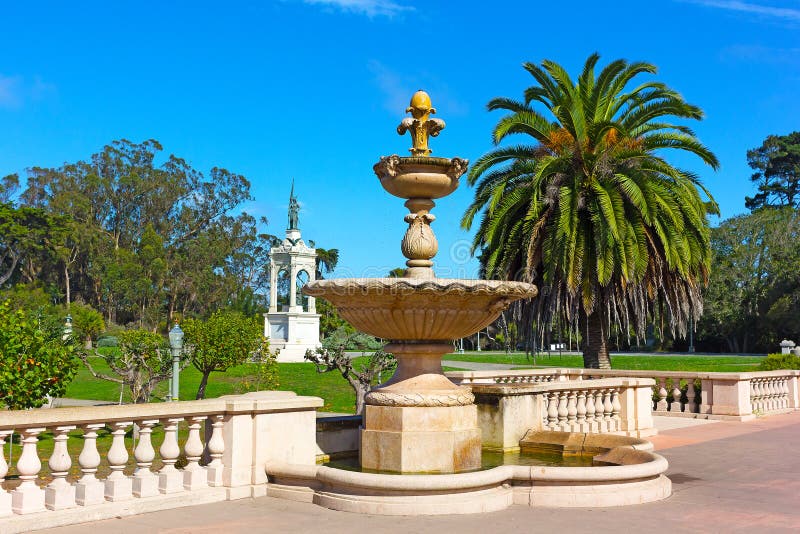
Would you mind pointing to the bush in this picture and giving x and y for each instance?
(33, 364)
(107, 341)
(780, 361)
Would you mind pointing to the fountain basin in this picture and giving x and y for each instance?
(626, 472)
(414, 309)
(419, 177)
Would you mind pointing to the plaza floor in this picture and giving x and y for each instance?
(727, 477)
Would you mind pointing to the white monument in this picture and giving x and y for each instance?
(292, 323)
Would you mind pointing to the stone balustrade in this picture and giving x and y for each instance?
(738, 396)
(229, 441)
(506, 411)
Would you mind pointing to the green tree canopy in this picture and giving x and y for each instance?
(753, 297)
(587, 207)
(777, 166)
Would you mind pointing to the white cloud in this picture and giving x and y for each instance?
(784, 13)
(370, 8)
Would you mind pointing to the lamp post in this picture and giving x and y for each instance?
(176, 344)
(67, 328)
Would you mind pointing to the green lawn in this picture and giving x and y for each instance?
(655, 362)
(301, 378)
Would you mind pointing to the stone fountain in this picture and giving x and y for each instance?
(419, 421)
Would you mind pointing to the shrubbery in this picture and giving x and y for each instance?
(34, 363)
(780, 361)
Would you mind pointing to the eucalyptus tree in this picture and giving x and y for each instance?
(588, 208)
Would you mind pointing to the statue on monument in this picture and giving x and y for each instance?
(294, 209)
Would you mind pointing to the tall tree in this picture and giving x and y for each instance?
(121, 203)
(753, 296)
(590, 211)
(777, 166)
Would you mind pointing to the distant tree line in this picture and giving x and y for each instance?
(139, 237)
(753, 298)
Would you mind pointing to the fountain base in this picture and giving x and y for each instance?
(403, 439)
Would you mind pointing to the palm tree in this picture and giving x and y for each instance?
(590, 211)
(397, 272)
(327, 259)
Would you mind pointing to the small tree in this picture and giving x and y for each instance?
(87, 322)
(225, 340)
(33, 365)
(331, 356)
(142, 361)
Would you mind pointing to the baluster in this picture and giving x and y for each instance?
(691, 407)
(145, 482)
(675, 405)
(89, 490)
(562, 411)
(216, 448)
(773, 394)
(598, 411)
(769, 395)
(776, 394)
(170, 480)
(784, 388)
(661, 405)
(755, 402)
(616, 408)
(590, 422)
(608, 409)
(5, 497)
(194, 476)
(60, 494)
(28, 497)
(118, 487)
(545, 407)
(552, 411)
(572, 410)
(581, 412)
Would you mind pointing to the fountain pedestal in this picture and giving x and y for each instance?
(419, 421)
(407, 439)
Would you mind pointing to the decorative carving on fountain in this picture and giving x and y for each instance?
(420, 124)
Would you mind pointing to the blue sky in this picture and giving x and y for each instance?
(313, 90)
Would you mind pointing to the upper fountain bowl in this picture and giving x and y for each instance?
(412, 309)
(419, 176)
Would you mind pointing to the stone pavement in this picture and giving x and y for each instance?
(727, 477)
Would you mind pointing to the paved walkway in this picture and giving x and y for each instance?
(727, 477)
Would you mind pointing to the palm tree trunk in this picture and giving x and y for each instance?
(595, 348)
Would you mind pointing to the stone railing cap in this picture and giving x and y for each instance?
(259, 402)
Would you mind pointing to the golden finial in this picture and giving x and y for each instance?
(420, 124)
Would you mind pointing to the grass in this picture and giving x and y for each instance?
(654, 362)
(301, 378)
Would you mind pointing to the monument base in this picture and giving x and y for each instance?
(403, 439)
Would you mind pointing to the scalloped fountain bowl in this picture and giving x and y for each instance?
(409, 309)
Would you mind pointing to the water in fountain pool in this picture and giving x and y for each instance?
(489, 459)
